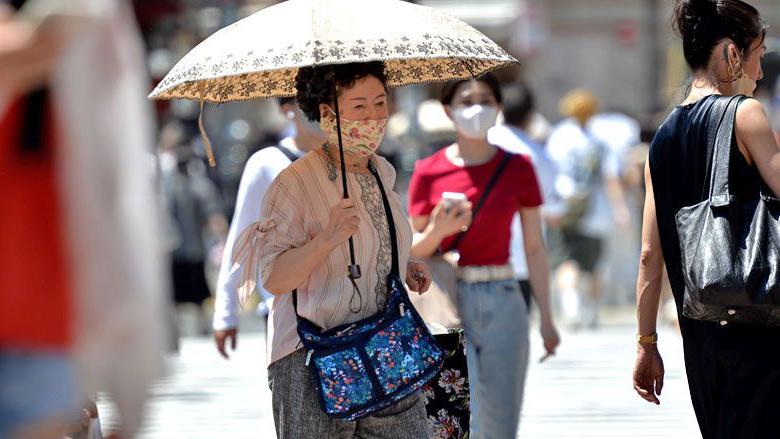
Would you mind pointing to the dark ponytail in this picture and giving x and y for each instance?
(702, 24)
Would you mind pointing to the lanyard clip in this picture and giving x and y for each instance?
(308, 357)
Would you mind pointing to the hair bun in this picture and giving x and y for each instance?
(703, 7)
(690, 13)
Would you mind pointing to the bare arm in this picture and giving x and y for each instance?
(651, 265)
(539, 273)
(536, 256)
(431, 230)
(757, 142)
(27, 55)
(649, 368)
(426, 240)
(617, 199)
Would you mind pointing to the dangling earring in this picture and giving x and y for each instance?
(736, 72)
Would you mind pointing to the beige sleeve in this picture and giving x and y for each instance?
(282, 206)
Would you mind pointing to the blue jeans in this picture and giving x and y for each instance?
(35, 386)
(495, 321)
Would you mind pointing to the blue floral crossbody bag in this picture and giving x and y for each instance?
(365, 366)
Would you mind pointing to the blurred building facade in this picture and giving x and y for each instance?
(625, 51)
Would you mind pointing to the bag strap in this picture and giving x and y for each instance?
(395, 267)
(34, 123)
(719, 184)
(287, 153)
(490, 185)
(717, 108)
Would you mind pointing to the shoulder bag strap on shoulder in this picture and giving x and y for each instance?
(719, 184)
(287, 153)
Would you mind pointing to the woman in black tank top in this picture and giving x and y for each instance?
(733, 372)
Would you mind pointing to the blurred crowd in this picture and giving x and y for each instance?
(591, 156)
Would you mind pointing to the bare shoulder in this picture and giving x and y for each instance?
(753, 132)
(751, 117)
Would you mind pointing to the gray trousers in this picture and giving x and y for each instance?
(297, 412)
(495, 321)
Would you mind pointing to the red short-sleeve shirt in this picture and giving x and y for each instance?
(35, 287)
(487, 241)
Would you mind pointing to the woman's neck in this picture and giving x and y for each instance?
(306, 143)
(704, 84)
(471, 152)
(352, 161)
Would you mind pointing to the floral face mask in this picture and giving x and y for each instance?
(359, 137)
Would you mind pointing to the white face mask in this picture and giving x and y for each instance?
(475, 121)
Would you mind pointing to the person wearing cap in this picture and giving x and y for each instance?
(589, 185)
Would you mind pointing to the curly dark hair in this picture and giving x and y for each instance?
(315, 84)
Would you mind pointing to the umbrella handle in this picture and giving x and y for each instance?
(203, 135)
(354, 269)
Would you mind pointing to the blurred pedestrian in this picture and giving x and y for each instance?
(300, 245)
(732, 369)
(491, 307)
(621, 133)
(197, 219)
(589, 184)
(519, 112)
(38, 383)
(260, 171)
(77, 225)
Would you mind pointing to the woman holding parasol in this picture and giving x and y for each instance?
(306, 223)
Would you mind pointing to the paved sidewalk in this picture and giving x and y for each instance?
(584, 392)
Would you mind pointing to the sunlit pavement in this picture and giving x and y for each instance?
(583, 392)
(586, 391)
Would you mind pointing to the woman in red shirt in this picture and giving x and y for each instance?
(490, 305)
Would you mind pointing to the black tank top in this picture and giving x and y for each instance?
(680, 169)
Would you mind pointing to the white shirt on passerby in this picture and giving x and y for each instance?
(260, 171)
(514, 140)
(617, 131)
(570, 146)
